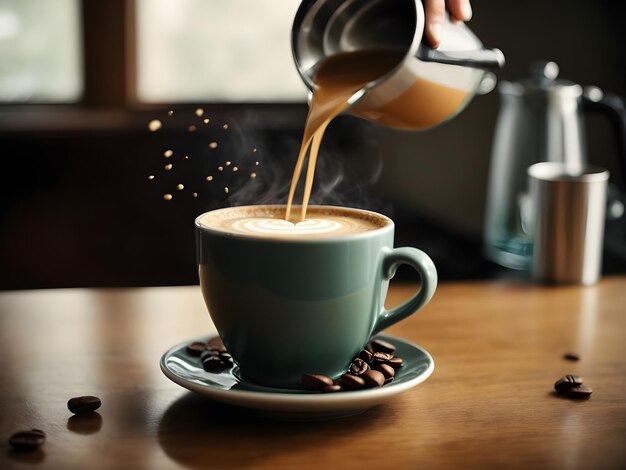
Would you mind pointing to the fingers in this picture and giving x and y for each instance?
(460, 9)
(435, 11)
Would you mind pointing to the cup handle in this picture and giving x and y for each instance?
(422, 263)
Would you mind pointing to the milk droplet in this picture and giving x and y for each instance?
(209, 178)
(226, 189)
(220, 168)
(170, 113)
(205, 120)
(192, 128)
(151, 177)
(256, 163)
(154, 125)
(227, 163)
(180, 187)
(186, 157)
(199, 112)
(235, 168)
(195, 194)
(168, 153)
(253, 150)
(253, 175)
(225, 126)
(168, 167)
(213, 145)
(167, 197)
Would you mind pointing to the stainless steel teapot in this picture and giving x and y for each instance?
(540, 119)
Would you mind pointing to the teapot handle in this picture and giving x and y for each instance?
(612, 106)
(479, 58)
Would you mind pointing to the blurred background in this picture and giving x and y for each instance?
(93, 94)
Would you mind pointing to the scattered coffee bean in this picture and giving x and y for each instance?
(395, 362)
(565, 383)
(381, 358)
(366, 356)
(84, 404)
(316, 381)
(217, 344)
(26, 441)
(374, 378)
(581, 392)
(571, 357)
(358, 367)
(226, 357)
(374, 366)
(387, 371)
(196, 348)
(209, 353)
(378, 345)
(352, 382)
(213, 354)
(213, 364)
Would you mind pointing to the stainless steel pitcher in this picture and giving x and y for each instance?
(323, 28)
(541, 119)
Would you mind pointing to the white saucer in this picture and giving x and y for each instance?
(227, 387)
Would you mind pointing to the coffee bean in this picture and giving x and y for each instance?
(332, 388)
(395, 362)
(84, 404)
(315, 381)
(358, 367)
(581, 392)
(386, 370)
(571, 357)
(565, 383)
(374, 378)
(381, 358)
(378, 345)
(366, 356)
(213, 364)
(352, 382)
(26, 441)
(226, 357)
(217, 344)
(209, 353)
(196, 348)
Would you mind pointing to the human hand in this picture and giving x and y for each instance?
(435, 10)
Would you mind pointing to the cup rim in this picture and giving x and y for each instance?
(389, 225)
(561, 171)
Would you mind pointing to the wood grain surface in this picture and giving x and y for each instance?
(497, 346)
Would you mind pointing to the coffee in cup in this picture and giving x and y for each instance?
(296, 298)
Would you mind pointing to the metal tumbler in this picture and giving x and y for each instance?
(568, 207)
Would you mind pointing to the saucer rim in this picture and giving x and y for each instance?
(287, 401)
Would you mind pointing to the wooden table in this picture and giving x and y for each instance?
(497, 346)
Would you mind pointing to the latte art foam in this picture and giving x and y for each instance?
(285, 227)
(269, 222)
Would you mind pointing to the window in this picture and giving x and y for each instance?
(210, 50)
(40, 51)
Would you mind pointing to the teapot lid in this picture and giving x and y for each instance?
(544, 82)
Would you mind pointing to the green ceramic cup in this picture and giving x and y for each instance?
(288, 307)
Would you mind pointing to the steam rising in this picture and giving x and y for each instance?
(349, 164)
